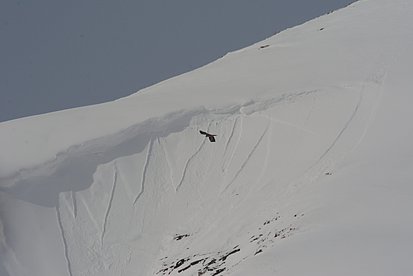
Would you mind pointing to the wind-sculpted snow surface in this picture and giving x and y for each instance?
(125, 219)
(308, 175)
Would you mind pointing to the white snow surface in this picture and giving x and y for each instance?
(311, 173)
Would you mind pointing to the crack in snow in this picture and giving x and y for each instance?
(89, 213)
(347, 124)
(65, 244)
(145, 168)
(378, 79)
(298, 127)
(267, 155)
(187, 165)
(232, 134)
(225, 163)
(74, 204)
(247, 159)
(112, 193)
(168, 162)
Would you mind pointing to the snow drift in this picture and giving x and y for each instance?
(310, 173)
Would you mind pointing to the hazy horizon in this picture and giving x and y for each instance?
(57, 55)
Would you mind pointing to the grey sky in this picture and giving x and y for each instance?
(58, 54)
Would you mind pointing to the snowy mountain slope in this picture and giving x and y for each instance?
(310, 174)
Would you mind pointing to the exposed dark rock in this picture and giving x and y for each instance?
(197, 261)
(179, 263)
(180, 237)
(185, 268)
(212, 262)
(258, 252)
(218, 271)
(223, 258)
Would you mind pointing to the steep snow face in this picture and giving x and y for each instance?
(310, 173)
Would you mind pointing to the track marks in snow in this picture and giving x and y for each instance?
(89, 213)
(69, 203)
(231, 135)
(286, 123)
(65, 244)
(254, 148)
(377, 79)
(260, 105)
(168, 162)
(311, 111)
(267, 154)
(74, 204)
(112, 193)
(229, 160)
(145, 168)
(187, 165)
(346, 125)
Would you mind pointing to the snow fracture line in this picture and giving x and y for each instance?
(224, 165)
(112, 193)
(187, 165)
(89, 213)
(168, 161)
(344, 128)
(145, 168)
(267, 155)
(74, 204)
(248, 158)
(232, 134)
(62, 232)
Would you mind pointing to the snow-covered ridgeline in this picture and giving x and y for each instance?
(308, 57)
(306, 136)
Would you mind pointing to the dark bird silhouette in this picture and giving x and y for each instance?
(210, 136)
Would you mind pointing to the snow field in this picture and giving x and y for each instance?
(181, 185)
(310, 174)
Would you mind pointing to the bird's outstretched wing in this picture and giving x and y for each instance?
(210, 136)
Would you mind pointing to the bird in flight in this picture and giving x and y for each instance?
(210, 136)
